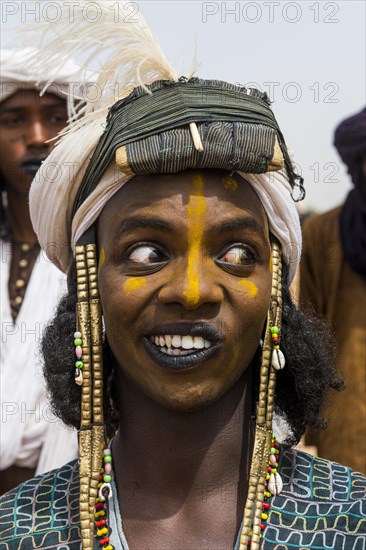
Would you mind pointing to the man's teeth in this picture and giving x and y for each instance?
(179, 345)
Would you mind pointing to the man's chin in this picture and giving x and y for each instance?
(19, 182)
(186, 404)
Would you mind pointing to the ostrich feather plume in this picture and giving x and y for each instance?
(114, 35)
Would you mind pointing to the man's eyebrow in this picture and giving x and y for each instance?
(11, 109)
(242, 223)
(140, 222)
(56, 105)
(20, 108)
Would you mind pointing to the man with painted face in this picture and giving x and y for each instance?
(178, 229)
(30, 285)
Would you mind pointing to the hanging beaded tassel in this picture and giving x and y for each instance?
(104, 486)
(278, 359)
(85, 435)
(92, 430)
(101, 502)
(267, 495)
(274, 480)
(258, 484)
(275, 483)
(79, 356)
(98, 428)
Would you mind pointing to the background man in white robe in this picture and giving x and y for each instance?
(32, 440)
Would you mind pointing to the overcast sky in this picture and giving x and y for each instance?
(309, 56)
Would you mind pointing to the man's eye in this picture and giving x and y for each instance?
(58, 118)
(238, 255)
(146, 254)
(13, 121)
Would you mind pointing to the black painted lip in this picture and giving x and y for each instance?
(32, 165)
(205, 330)
(177, 362)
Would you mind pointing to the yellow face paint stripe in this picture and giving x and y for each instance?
(249, 287)
(230, 183)
(101, 257)
(134, 283)
(196, 210)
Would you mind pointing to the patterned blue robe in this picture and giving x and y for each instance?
(322, 506)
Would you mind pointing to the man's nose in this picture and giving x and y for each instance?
(37, 134)
(192, 286)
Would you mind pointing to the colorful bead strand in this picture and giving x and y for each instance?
(274, 331)
(101, 502)
(79, 364)
(278, 359)
(268, 494)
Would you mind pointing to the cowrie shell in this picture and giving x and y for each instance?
(278, 359)
(79, 377)
(275, 484)
(100, 493)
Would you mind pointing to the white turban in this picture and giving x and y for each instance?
(128, 56)
(17, 72)
(55, 186)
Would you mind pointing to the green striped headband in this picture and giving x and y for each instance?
(171, 126)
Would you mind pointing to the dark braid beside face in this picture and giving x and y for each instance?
(301, 386)
(310, 352)
(58, 352)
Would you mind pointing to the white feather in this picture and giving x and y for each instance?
(120, 41)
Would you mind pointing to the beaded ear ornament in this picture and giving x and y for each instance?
(274, 482)
(264, 479)
(88, 342)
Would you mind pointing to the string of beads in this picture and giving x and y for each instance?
(79, 364)
(268, 494)
(101, 502)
